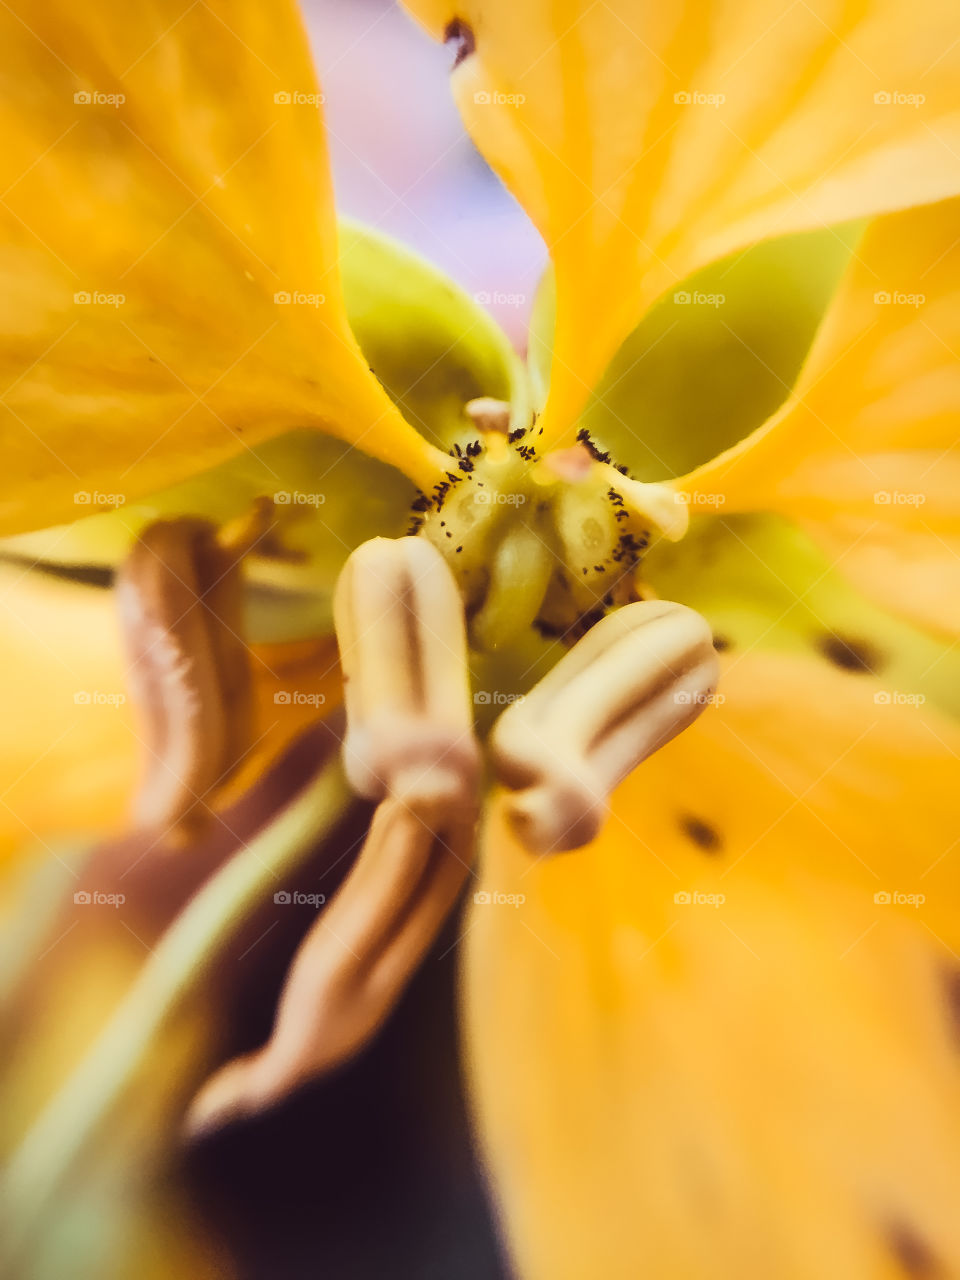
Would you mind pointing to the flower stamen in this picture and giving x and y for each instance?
(410, 744)
(180, 598)
(633, 682)
(400, 628)
(355, 961)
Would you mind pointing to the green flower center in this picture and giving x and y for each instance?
(552, 542)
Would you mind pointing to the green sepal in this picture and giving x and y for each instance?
(762, 583)
(697, 376)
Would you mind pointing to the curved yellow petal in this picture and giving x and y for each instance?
(648, 139)
(168, 253)
(865, 450)
(433, 348)
(722, 1040)
(72, 757)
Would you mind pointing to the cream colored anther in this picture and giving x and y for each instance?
(488, 414)
(399, 620)
(410, 744)
(636, 680)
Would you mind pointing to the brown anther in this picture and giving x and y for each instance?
(180, 597)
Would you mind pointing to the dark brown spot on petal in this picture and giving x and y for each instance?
(912, 1252)
(849, 655)
(721, 643)
(701, 833)
(85, 575)
(461, 32)
(951, 989)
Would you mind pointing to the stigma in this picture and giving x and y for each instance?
(554, 541)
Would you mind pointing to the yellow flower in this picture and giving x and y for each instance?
(718, 1036)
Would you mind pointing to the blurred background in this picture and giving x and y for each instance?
(403, 164)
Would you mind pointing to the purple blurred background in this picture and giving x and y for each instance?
(402, 162)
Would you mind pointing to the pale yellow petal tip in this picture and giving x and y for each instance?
(663, 504)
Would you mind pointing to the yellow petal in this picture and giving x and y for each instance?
(648, 139)
(864, 452)
(70, 768)
(721, 1041)
(169, 255)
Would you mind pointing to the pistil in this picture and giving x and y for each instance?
(552, 541)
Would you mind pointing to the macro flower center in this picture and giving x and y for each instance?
(553, 539)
